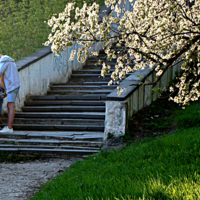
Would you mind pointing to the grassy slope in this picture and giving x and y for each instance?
(165, 167)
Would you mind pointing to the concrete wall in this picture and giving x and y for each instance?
(116, 117)
(120, 108)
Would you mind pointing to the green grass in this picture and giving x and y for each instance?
(189, 117)
(165, 167)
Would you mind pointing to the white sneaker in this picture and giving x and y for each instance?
(6, 130)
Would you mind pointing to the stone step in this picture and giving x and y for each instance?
(80, 75)
(69, 115)
(94, 66)
(78, 92)
(83, 83)
(102, 57)
(98, 78)
(82, 143)
(82, 87)
(77, 78)
(49, 152)
(59, 121)
(71, 138)
(70, 97)
(47, 147)
(64, 109)
(93, 73)
(95, 59)
(49, 127)
(116, 49)
(65, 103)
(100, 54)
(45, 142)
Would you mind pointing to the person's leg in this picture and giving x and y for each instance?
(1, 104)
(11, 114)
(11, 106)
(11, 110)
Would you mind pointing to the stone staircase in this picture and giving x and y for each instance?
(68, 121)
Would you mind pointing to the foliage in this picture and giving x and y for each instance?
(16, 157)
(110, 135)
(159, 34)
(22, 27)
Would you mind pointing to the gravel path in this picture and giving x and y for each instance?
(20, 180)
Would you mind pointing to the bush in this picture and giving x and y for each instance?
(22, 27)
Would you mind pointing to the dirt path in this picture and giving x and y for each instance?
(21, 180)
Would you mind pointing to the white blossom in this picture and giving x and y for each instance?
(156, 33)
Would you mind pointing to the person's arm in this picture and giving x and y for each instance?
(3, 66)
(2, 84)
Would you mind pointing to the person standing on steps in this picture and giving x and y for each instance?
(12, 85)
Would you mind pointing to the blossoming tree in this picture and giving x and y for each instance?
(157, 33)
